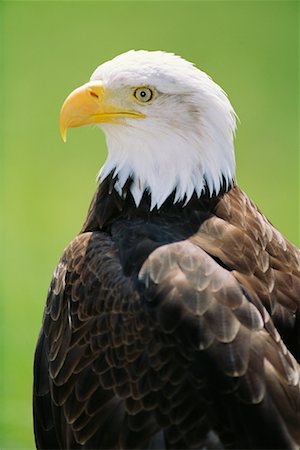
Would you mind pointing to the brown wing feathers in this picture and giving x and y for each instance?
(172, 332)
(206, 308)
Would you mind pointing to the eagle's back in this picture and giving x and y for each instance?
(176, 328)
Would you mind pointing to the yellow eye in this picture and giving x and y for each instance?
(143, 94)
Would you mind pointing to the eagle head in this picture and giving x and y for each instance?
(167, 124)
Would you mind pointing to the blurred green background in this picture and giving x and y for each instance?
(48, 49)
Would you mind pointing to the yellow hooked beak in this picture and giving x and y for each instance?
(88, 104)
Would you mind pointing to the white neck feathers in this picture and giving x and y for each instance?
(162, 159)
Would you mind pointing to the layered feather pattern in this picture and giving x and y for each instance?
(171, 328)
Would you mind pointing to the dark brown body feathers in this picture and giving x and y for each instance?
(176, 328)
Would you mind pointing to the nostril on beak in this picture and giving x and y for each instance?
(93, 94)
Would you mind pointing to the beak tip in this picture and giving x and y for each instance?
(63, 133)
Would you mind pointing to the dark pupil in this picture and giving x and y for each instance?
(143, 94)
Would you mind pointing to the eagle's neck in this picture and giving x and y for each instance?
(108, 205)
(161, 160)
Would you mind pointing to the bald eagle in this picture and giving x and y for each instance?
(172, 319)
